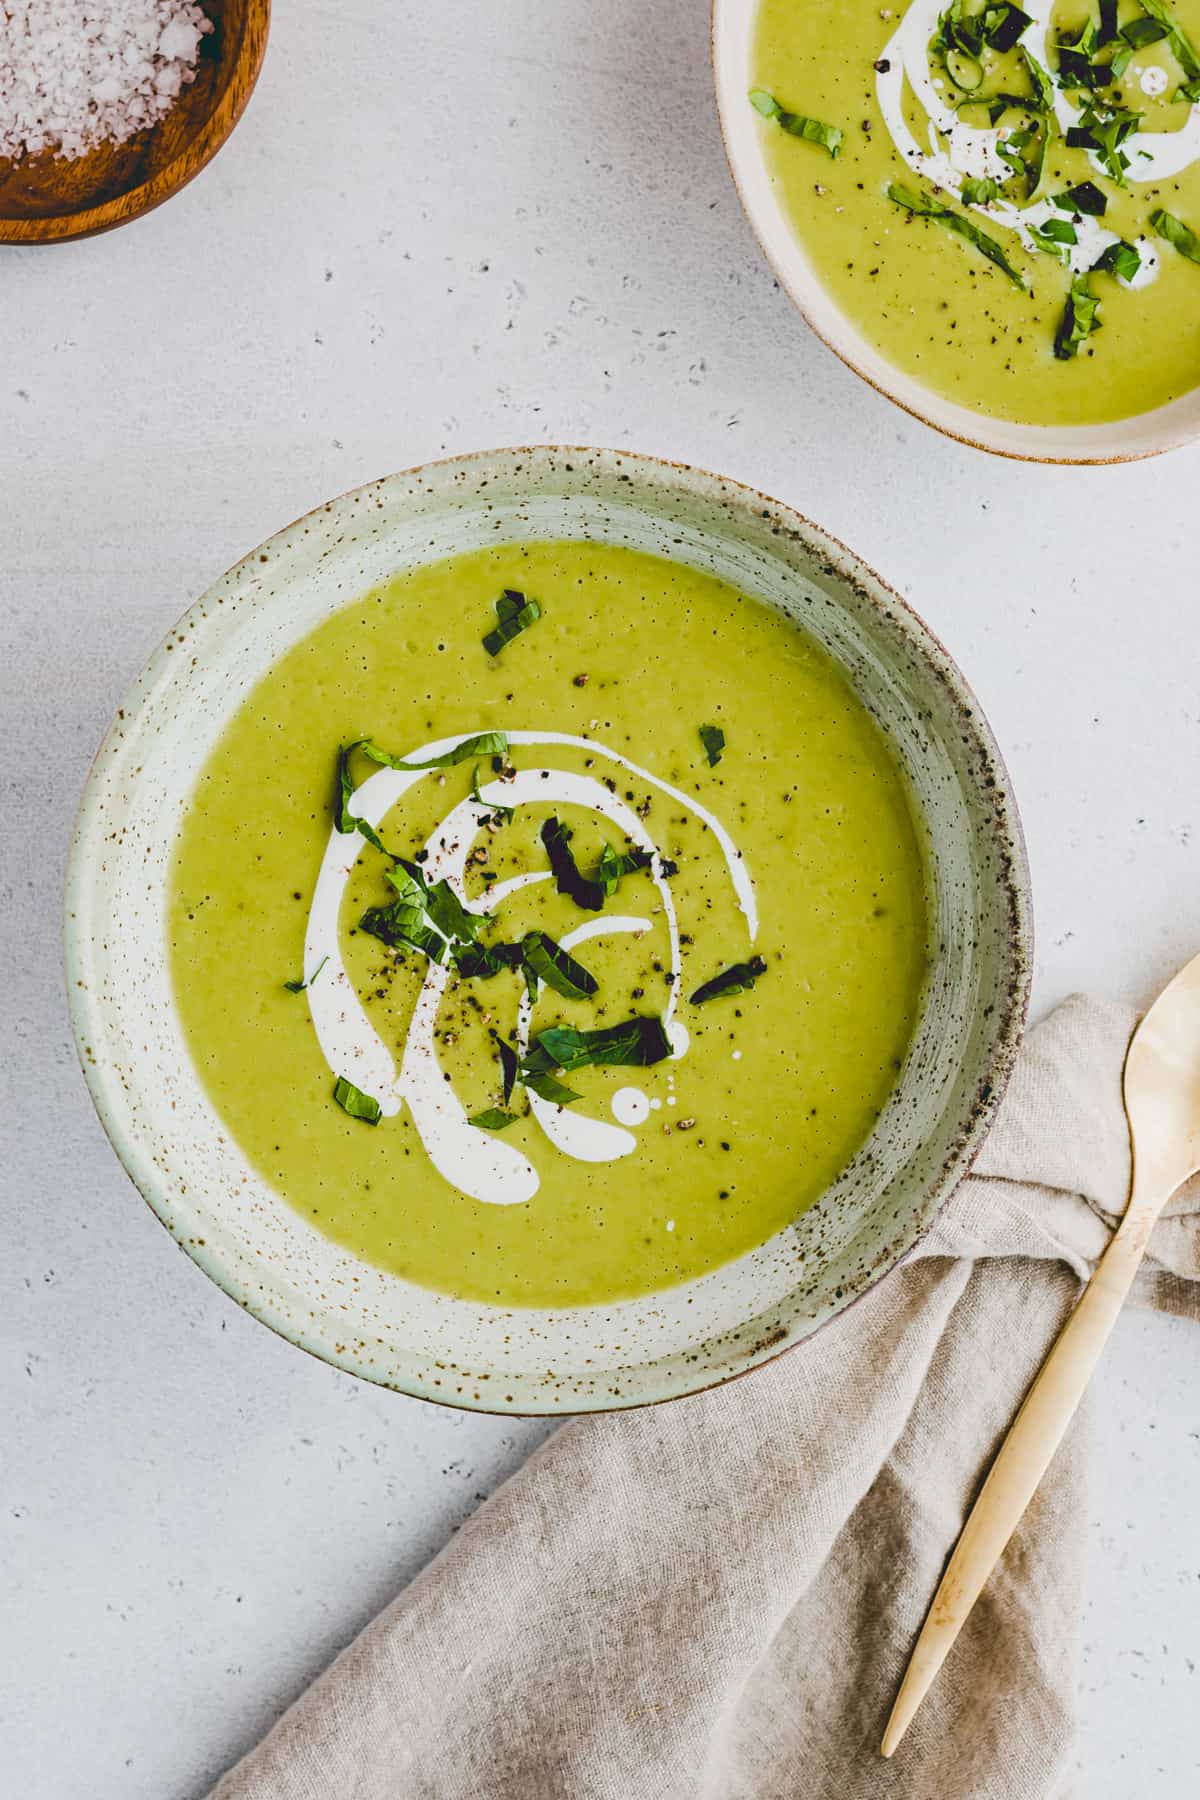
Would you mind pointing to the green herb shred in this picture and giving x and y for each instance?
(352, 1100)
(713, 739)
(568, 879)
(298, 987)
(1181, 237)
(736, 980)
(1080, 319)
(494, 1119)
(560, 971)
(515, 613)
(796, 124)
(924, 207)
(639, 1042)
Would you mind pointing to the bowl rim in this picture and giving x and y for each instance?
(1060, 445)
(192, 157)
(105, 1086)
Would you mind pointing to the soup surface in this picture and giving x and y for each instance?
(1012, 215)
(604, 998)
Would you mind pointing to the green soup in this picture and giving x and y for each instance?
(568, 890)
(1066, 137)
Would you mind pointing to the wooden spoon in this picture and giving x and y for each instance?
(45, 198)
(1162, 1102)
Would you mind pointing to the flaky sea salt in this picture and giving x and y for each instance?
(77, 73)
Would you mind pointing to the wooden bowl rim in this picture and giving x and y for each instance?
(135, 202)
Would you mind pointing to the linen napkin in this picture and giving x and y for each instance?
(714, 1599)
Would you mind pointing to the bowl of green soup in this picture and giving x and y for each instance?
(989, 211)
(548, 930)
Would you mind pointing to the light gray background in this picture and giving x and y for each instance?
(442, 227)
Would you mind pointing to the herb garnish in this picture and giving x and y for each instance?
(547, 1088)
(515, 613)
(1054, 237)
(345, 820)
(500, 814)
(614, 864)
(298, 987)
(551, 964)
(713, 739)
(639, 1041)
(1084, 197)
(977, 190)
(487, 743)
(509, 1066)
(1182, 48)
(926, 208)
(479, 962)
(424, 918)
(494, 1119)
(1181, 237)
(796, 124)
(736, 980)
(1080, 319)
(1121, 259)
(568, 879)
(1105, 131)
(352, 1100)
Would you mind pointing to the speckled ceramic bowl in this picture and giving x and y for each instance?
(376, 1325)
(1123, 440)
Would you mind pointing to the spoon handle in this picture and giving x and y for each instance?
(1023, 1459)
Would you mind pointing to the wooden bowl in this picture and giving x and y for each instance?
(46, 198)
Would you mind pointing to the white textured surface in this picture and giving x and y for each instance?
(438, 228)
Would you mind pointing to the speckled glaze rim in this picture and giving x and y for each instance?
(1152, 433)
(136, 202)
(108, 1083)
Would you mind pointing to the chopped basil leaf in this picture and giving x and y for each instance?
(1105, 132)
(1121, 259)
(485, 744)
(567, 877)
(345, 820)
(479, 962)
(352, 1100)
(713, 739)
(796, 124)
(1040, 78)
(977, 190)
(298, 987)
(1080, 319)
(613, 865)
(1180, 236)
(551, 964)
(736, 980)
(1084, 197)
(1181, 46)
(1059, 231)
(494, 1119)
(1140, 33)
(451, 916)
(1107, 29)
(1190, 91)
(641, 1041)
(1003, 25)
(547, 1088)
(509, 1066)
(501, 813)
(514, 613)
(925, 208)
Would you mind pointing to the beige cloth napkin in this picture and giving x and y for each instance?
(714, 1599)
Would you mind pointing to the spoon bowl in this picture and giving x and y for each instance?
(1162, 1089)
(48, 198)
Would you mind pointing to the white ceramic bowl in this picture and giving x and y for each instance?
(1165, 428)
(375, 1324)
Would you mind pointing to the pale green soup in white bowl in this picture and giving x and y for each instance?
(548, 930)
